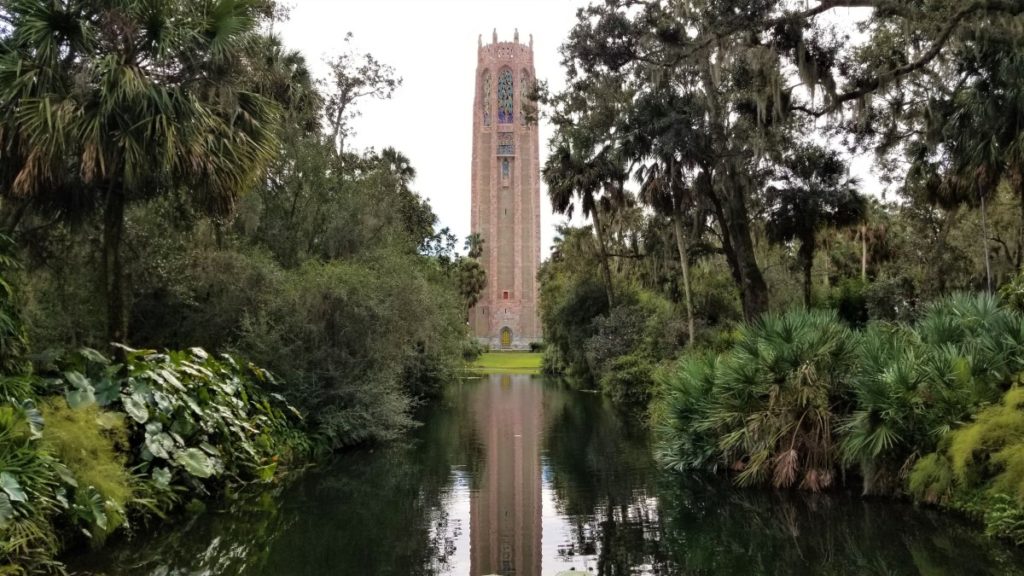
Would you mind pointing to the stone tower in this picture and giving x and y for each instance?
(506, 195)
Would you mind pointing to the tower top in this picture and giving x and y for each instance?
(505, 50)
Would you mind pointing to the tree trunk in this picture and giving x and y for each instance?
(603, 253)
(684, 263)
(864, 253)
(113, 266)
(1019, 257)
(806, 256)
(753, 289)
(733, 207)
(984, 246)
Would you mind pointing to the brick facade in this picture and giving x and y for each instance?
(506, 194)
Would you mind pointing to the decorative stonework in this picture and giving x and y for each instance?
(506, 196)
(485, 104)
(506, 144)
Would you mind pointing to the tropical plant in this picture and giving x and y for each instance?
(102, 104)
(679, 416)
(814, 192)
(770, 406)
(93, 445)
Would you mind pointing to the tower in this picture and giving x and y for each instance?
(506, 195)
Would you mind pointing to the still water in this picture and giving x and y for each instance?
(513, 475)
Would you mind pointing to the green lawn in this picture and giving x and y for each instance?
(507, 363)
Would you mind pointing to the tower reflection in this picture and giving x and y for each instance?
(505, 510)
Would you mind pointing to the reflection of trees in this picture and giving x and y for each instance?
(234, 540)
(715, 529)
(385, 513)
(380, 512)
(603, 477)
(605, 483)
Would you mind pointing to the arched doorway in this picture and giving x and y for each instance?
(506, 337)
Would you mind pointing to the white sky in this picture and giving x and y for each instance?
(432, 45)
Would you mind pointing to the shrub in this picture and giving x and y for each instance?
(616, 334)
(766, 405)
(849, 302)
(931, 479)
(354, 342)
(980, 469)
(628, 381)
(92, 444)
(195, 420)
(681, 413)
(30, 480)
(893, 299)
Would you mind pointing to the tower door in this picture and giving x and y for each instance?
(506, 337)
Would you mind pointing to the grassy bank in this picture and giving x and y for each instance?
(507, 363)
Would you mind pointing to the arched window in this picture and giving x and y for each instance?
(485, 100)
(506, 171)
(506, 97)
(524, 94)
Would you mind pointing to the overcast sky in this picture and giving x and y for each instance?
(432, 45)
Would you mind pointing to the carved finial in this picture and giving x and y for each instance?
(495, 35)
(480, 41)
(531, 41)
(515, 37)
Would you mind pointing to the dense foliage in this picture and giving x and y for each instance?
(286, 248)
(174, 180)
(801, 401)
(711, 145)
(824, 332)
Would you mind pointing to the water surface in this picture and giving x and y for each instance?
(513, 475)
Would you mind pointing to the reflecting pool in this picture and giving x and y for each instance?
(514, 475)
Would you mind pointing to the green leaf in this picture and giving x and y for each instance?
(161, 445)
(162, 477)
(195, 462)
(135, 406)
(107, 390)
(93, 356)
(77, 379)
(171, 379)
(9, 484)
(209, 449)
(80, 398)
(34, 418)
(6, 511)
(65, 474)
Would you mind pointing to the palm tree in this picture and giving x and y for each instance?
(662, 187)
(103, 103)
(665, 134)
(474, 245)
(814, 193)
(576, 173)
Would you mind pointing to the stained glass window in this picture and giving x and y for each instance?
(485, 101)
(506, 95)
(506, 171)
(524, 94)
